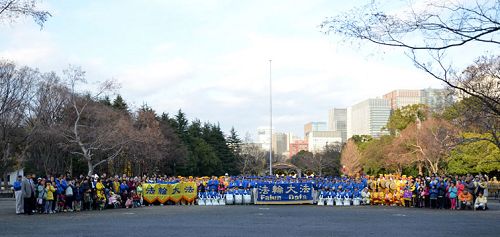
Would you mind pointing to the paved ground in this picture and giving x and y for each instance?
(297, 220)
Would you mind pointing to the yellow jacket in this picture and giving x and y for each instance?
(50, 193)
(100, 190)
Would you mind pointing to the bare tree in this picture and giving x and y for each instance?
(429, 31)
(16, 92)
(12, 9)
(46, 111)
(429, 144)
(99, 132)
(252, 158)
(149, 146)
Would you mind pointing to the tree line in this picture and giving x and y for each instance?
(50, 125)
(456, 140)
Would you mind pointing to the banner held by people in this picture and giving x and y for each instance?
(289, 193)
(169, 192)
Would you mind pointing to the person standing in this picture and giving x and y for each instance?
(28, 192)
(49, 198)
(18, 192)
(453, 196)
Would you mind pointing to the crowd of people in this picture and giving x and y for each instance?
(51, 194)
(438, 192)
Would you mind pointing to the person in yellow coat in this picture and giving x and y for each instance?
(375, 200)
(101, 197)
(49, 198)
(388, 198)
(381, 196)
(397, 198)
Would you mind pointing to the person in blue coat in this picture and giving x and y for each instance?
(18, 192)
(356, 193)
(332, 193)
(78, 197)
(212, 194)
(323, 193)
(433, 195)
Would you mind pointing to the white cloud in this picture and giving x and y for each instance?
(311, 73)
(146, 79)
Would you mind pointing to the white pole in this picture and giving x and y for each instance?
(271, 120)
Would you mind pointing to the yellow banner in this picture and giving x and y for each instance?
(173, 192)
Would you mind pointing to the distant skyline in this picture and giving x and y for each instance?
(210, 58)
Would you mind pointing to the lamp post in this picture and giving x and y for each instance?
(270, 120)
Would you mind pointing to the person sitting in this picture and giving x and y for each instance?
(465, 199)
(356, 197)
(136, 199)
(322, 196)
(114, 200)
(365, 195)
(375, 200)
(388, 198)
(481, 202)
(129, 203)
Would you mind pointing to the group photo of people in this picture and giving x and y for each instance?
(56, 194)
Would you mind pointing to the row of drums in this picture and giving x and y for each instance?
(339, 201)
(390, 184)
(228, 199)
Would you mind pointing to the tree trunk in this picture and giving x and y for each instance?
(5, 181)
(6, 156)
(420, 170)
(91, 167)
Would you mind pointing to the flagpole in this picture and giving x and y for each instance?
(270, 120)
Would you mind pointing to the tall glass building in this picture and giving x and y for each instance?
(368, 117)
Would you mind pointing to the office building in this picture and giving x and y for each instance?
(368, 117)
(297, 146)
(314, 126)
(337, 121)
(317, 140)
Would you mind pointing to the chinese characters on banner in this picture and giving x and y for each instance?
(291, 193)
(173, 192)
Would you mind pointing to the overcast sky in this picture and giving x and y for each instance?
(210, 58)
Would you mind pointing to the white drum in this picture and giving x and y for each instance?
(238, 199)
(329, 201)
(321, 201)
(215, 201)
(229, 199)
(247, 199)
(201, 202)
(208, 202)
(356, 201)
(338, 202)
(222, 202)
(347, 202)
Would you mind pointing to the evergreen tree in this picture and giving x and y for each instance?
(120, 104)
(105, 101)
(181, 124)
(234, 142)
(214, 136)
